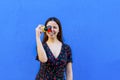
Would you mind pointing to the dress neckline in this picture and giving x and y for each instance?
(52, 53)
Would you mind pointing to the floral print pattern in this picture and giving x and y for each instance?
(54, 68)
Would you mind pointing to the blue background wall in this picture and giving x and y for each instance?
(90, 27)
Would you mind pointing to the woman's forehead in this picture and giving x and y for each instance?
(52, 23)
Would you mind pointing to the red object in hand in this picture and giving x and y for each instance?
(49, 30)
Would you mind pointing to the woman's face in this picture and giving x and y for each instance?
(54, 29)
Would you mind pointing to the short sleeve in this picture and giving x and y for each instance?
(69, 54)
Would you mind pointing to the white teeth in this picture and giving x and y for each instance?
(52, 32)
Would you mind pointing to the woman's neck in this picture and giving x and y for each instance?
(52, 40)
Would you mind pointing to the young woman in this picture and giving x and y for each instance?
(54, 55)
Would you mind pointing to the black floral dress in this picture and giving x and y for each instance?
(54, 68)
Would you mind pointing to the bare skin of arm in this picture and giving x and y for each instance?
(40, 50)
(69, 73)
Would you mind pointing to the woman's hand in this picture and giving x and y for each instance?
(39, 30)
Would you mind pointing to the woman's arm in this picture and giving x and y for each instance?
(69, 73)
(40, 50)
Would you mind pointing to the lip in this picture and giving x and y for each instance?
(52, 33)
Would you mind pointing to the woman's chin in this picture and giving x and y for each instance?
(52, 36)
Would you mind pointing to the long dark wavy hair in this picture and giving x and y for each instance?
(59, 35)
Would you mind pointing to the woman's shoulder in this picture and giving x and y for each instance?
(44, 45)
(66, 45)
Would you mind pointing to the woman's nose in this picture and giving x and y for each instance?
(52, 29)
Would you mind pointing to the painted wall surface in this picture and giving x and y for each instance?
(90, 27)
